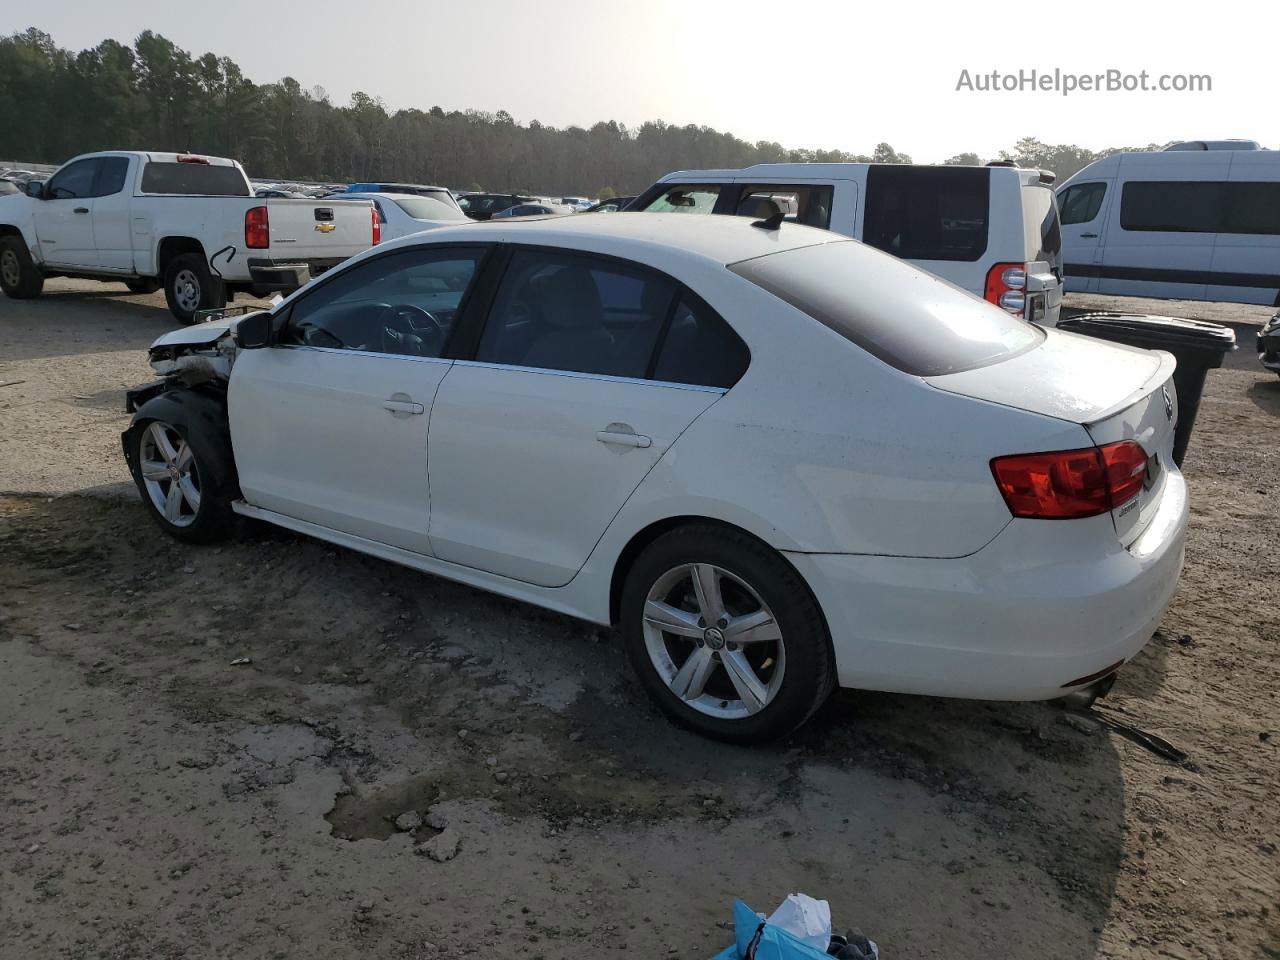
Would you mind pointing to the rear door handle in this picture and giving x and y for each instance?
(82, 209)
(403, 408)
(620, 439)
(1091, 236)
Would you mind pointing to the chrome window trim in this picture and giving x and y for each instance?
(362, 353)
(578, 375)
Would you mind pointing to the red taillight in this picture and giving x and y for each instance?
(1070, 484)
(377, 226)
(257, 228)
(1007, 287)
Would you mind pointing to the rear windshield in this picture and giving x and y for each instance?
(1040, 225)
(430, 208)
(912, 320)
(927, 213)
(194, 179)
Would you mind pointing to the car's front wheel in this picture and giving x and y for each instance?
(20, 278)
(725, 635)
(184, 481)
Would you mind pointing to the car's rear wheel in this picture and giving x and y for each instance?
(184, 481)
(142, 285)
(725, 635)
(20, 278)
(189, 286)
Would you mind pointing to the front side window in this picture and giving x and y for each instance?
(75, 181)
(1081, 202)
(685, 198)
(558, 310)
(927, 213)
(921, 325)
(404, 304)
(808, 205)
(111, 174)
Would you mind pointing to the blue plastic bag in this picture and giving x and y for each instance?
(767, 941)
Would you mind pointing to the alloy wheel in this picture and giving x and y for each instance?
(714, 641)
(170, 474)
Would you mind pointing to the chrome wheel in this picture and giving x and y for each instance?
(169, 474)
(186, 290)
(714, 641)
(10, 268)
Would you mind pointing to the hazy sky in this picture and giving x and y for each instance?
(803, 73)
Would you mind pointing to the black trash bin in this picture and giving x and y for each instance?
(1197, 345)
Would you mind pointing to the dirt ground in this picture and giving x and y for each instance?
(160, 800)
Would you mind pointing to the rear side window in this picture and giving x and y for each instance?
(1081, 202)
(685, 198)
(1171, 207)
(915, 322)
(1252, 208)
(1043, 236)
(194, 179)
(700, 348)
(927, 213)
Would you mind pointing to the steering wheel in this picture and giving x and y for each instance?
(412, 330)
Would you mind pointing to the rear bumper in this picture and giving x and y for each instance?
(1040, 606)
(274, 276)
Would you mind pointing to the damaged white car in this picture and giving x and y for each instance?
(777, 459)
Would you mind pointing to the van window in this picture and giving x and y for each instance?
(921, 325)
(685, 198)
(194, 179)
(1081, 202)
(805, 204)
(1252, 208)
(1170, 206)
(1043, 236)
(927, 213)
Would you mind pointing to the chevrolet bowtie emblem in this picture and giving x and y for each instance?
(326, 227)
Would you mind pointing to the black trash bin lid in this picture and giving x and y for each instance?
(1154, 332)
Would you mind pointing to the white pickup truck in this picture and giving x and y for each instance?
(189, 223)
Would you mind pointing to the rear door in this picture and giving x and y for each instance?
(1246, 256)
(1042, 236)
(1081, 208)
(64, 222)
(538, 442)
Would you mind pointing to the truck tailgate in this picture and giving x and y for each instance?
(319, 229)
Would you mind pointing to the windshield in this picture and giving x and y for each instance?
(908, 318)
(685, 198)
(430, 208)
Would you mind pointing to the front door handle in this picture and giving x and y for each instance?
(1091, 236)
(82, 209)
(399, 405)
(623, 439)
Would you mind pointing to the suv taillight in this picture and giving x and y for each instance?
(1069, 484)
(257, 228)
(1007, 287)
(377, 226)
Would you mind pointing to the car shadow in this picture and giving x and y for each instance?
(1266, 395)
(931, 823)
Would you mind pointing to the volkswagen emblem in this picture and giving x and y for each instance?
(1168, 403)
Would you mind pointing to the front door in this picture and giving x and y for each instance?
(330, 426)
(1082, 207)
(64, 221)
(537, 443)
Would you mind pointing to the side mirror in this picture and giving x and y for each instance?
(254, 332)
(35, 190)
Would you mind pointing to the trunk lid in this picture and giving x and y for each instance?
(1114, 391)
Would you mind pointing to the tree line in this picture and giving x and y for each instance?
(56, 103)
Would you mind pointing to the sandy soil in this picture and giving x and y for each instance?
(158, 801)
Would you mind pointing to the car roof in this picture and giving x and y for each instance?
(722, 240)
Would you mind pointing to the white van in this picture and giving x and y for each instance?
(1184, 223)
(992, 230)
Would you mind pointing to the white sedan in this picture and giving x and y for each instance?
(777, 459)
(401, 214)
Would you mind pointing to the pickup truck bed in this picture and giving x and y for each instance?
(187, 223)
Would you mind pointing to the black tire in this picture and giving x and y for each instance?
(217, 483)
(20, 278)
(190, 286)
(143, 285)
(809, 674)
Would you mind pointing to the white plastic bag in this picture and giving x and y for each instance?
(805, 918)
